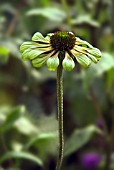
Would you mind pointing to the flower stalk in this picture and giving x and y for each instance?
(60, 114)
(59, 50)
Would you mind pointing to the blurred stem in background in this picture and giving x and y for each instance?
(66, 8)
(105, 126)
(60, 114)
(13, 23)
(111, 8)
(110, 137)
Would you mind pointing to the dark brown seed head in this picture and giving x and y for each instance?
(62, 41)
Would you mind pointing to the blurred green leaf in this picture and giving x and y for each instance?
(42, 136)
(13, 115)
(96, 70)
(4, 51)
(16, 146)
(21, 155)
(85, 19)
(8, 7)
(12, 44)
(79, 138)
(50, 13)
(45, 140)
(25, 126)
(2, 20)
(110, 79)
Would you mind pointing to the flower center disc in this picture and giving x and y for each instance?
(62, 41)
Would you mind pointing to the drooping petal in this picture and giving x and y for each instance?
(35, 53)
(68, 63)
(83, 60)
(41, 59)
(93, 58)
(38, 37)
(31, 54)
(25, 55)
(34, 45)
(83, 43)
(80, 49)
(53, 62)
(46, 49)
(95, 52)
(27, 45)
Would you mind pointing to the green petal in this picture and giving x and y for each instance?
(52, 63)
(83, 60)
(34, 45)
(25, 54)
(31, 54)
(41, 59)
(50, 34)
(68, 63)
(38, 62)
(39, 37)
(80, 49)
(95, 52)
(83, 43)
(27, 45)
(35, 53)
(93, 58)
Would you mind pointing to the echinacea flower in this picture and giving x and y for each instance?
(59, 46)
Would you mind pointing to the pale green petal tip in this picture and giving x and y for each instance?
(29, 54)
(83, 43)
(95, 52)
(38, 64)
(68, 64)
(37, 36)
(25, 54)
(24, 46)
(21, 48)
(93, 58)
(52, 63)
(84, 60)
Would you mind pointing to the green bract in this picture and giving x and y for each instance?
(60, 45)
(68, 63)
(52, 63)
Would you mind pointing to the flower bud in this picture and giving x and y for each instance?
(68, 63)
(52, 63)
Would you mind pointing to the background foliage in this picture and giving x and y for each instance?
(28, 115)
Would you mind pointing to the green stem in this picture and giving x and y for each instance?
(108, 150)
(109, 146)
(60, 115)
(66, 8)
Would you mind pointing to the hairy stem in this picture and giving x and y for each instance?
(60, 114)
